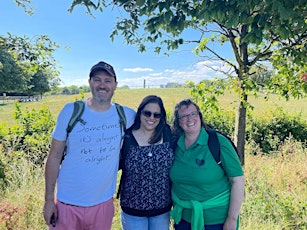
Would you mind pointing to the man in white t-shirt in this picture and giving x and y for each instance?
(86, 178)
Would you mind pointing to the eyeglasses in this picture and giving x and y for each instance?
(190, 115)
(148, 114)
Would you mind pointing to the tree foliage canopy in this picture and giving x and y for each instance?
(27, 64)
(26, 5)
(9, 67)
(258, 31)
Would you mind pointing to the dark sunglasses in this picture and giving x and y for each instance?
(148, 114)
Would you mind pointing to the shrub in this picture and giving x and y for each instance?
(270, 132)
(30, 137)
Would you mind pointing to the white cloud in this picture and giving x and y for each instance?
(195, 73)
(156, 74)
(136, 70)
(214, 67)
(77, 82)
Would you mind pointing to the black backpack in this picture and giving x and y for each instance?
(214, 145)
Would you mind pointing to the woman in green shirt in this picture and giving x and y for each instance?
(204, 194)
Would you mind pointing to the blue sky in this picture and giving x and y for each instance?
(89, 42)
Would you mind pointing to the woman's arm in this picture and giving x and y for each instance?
(236, 200)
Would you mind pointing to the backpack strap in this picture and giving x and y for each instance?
(122, 118)
(125, 141)
(79, 109)
(214, 146)
(76, 116)
(124, 150)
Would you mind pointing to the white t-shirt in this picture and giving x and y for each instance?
(88, 173)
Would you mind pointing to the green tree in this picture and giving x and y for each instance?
(26, 5)
(259, 31)
(31, 57)
(39, 83)
(11, 75)
(74, 89)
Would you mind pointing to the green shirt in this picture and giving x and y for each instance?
(196, 176)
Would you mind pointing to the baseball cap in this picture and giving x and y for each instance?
(102, 66)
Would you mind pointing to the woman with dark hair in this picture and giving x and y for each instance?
(146, 159)
(205, 195)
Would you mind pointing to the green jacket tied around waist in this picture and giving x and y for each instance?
(198, 208)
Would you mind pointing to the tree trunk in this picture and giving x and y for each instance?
(240, 127)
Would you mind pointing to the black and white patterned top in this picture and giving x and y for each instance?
(145, 188)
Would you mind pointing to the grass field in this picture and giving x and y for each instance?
(169, 96)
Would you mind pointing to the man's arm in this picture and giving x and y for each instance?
(236, 200)
(51, 174)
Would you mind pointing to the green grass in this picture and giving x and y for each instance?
(170, 97)
(276, 197)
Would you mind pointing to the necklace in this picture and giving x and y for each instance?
(143, 140)
(151, 146)
(147, 145)
(150, 153)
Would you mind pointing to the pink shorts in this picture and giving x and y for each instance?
(98, 217)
